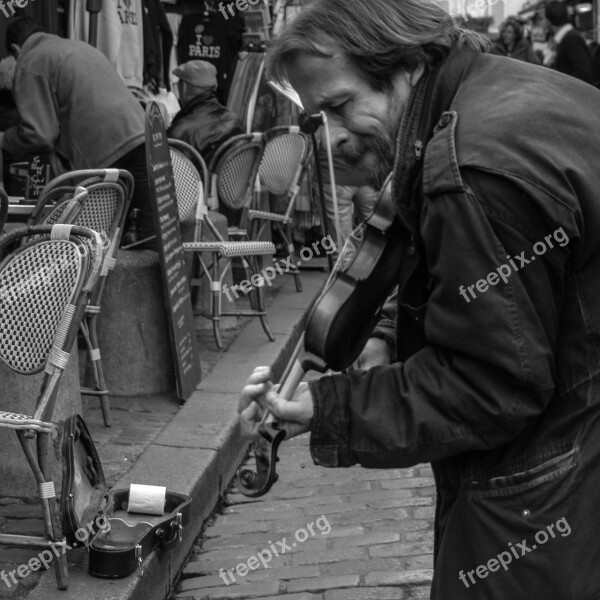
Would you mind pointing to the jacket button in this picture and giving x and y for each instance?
(410, 250)
(446, 118)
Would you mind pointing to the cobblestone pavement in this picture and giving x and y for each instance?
(372, 536)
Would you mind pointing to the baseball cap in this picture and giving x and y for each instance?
(198, 73)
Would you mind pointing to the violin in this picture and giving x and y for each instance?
(338, 327)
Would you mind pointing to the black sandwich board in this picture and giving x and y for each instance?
(171, 255)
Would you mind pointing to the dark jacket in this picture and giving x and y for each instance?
(522, 50)
(205, 124)
(501, 393)
(72, 101)
(574, 58)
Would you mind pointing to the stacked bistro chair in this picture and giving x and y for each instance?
(104, 209)
(191, 175)
(45, 286)
(282, 168)
(233, 170)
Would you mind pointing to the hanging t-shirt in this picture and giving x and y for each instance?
(120, 35)
(208, 36)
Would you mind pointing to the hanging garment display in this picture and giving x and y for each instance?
(250, 97)
(158, 42)
(174, 21)
(120, 35)
(208, 36)
(248, 68)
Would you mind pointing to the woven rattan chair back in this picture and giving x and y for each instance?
(54, 216)
(109, 193)
(188, 185)
(36, 284)
(283, 157)
(234, 169)
(102, 209)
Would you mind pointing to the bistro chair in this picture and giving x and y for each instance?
(45, 286)
(282, 168)
(190, 173)
(233, 170)
(103, 209)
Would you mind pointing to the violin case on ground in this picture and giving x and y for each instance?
(120, 548)
(83, 483)
(117, 541)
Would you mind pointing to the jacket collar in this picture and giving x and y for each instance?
(204, 99)
(429, 99)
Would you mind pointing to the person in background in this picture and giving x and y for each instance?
(572, 56)
(512, 43)
(71, 101)
(203, 122)
(9, 116)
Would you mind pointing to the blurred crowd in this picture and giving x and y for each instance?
(549, 39)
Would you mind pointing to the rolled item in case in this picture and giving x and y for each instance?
(146, 499)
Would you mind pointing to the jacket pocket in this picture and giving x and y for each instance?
(505, 485)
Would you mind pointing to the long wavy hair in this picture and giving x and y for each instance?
(381, 37)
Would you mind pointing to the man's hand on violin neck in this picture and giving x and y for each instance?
(258, 395)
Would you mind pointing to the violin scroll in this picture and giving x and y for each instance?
(257, 483)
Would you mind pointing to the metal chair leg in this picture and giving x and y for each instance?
(286, 234)
(41, 472)
(90, 334)
(53, 525)
(260, 302)
(215, 301)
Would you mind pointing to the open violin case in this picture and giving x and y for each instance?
(118, 541)
(121, 547)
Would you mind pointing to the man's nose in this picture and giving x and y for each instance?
(338, 136)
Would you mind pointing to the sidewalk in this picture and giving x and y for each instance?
(193, 449)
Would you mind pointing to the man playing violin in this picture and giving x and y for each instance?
(491, 376)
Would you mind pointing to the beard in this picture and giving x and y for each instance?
(381, 148)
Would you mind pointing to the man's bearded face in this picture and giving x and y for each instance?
(363, 121)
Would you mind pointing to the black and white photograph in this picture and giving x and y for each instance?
(300, 299)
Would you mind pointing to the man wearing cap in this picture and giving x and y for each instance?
(202, 122)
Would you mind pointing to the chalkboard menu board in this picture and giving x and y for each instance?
(171, 253)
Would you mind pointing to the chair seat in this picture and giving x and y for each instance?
(268, 216)
(17, 421)
(231, 249)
